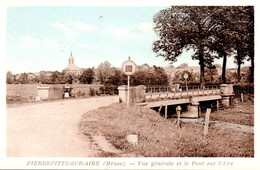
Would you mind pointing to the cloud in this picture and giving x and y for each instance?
(141, 31)
(81, 45)
(51, 43)
(25, 42)
(69, 33)
(146, 27)
(29, 40)
(84, 27)
(90, 46)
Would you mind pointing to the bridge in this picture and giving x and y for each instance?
(191, 97)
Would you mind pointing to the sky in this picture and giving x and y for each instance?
(42, 38)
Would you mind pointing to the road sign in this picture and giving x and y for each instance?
(128, 67)
(185, 75)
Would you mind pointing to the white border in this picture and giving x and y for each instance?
(18, 163)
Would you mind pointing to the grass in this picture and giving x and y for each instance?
(241, 113)
(159, 137)
(26, 93)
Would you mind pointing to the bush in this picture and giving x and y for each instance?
(246, 89)
(92, 91)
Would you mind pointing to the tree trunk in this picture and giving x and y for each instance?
(238, 63)
(202, 69)
(238, 71)
(252, 67)
(224, 68)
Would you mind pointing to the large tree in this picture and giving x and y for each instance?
(87, 76)
(242, 28)
(9, 77)
(222, 42)
(251, 44)
(103, 71)
(186, 27)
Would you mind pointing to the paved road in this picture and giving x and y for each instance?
(50, 129)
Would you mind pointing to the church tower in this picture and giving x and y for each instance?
(72, 68)
(71, 59)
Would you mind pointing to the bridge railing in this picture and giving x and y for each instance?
(183, 90)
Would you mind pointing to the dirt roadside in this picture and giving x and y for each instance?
(50, 129)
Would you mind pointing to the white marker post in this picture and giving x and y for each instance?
(128, 90)
(128, 68)
(186, 77)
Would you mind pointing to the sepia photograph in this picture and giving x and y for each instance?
(129, 87)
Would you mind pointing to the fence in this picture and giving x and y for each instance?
(183, 89)
(104, 90)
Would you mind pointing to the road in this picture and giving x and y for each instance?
(50, 129)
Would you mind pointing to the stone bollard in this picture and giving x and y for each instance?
(132, 139)
(226, 91)
(137, 94)
(43, 92)
(178, 110)
(225, 101)
(122, 92)
(193, 109)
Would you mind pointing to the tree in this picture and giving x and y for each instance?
(154, 76)
(103, 71)
(160, 77)
(235, 34)
(9, 77)
(68, 78)
(222, 40)
(211, 75)
(116, 78)
(179, 77)
(56, 77)
(242, 27)
(23, 79)
(182, 28)
(87, 76)
(251, 45)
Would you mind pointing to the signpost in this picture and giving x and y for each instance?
(186, 77)
(128, 68)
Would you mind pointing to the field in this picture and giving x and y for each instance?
(20, 93)
(159, 137)
(24, 93)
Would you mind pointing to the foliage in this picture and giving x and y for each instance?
(185, 27)
(57, 78)
(24, 78)
(115, 78)
(243, 88)
(87, 76)
(154, 76)
(193, 78)
(208, 30)
(9, 77)
(211, 76)
(103, 71)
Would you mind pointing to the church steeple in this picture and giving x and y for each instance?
(71, 59)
